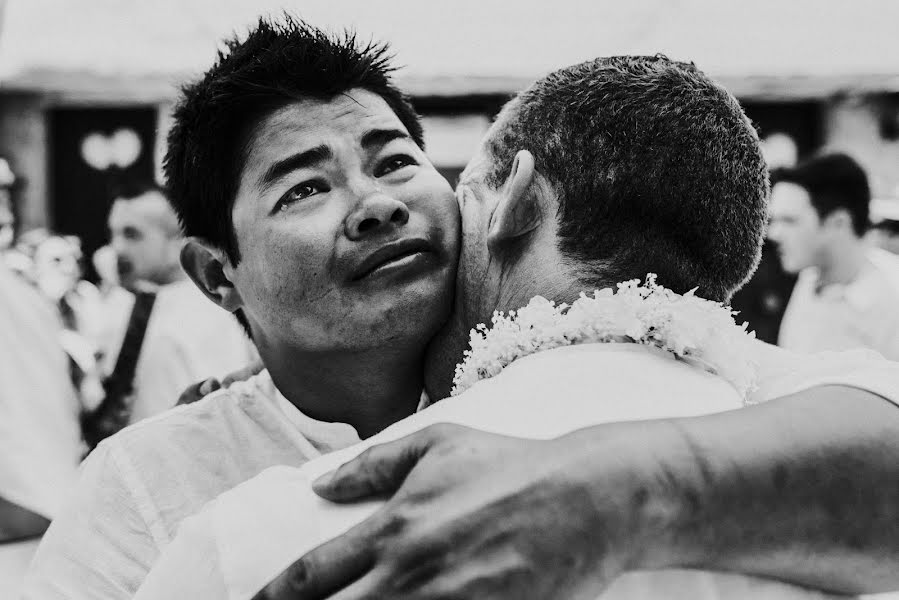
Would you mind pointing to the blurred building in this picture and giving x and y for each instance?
(86, 87)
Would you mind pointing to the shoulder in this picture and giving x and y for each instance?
(783, 372)
(214, 420)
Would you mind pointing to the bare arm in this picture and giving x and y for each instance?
(804, 488)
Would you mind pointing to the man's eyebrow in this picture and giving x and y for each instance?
(382, 137)
(301, 160)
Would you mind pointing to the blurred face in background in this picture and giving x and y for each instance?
(57, 265)
(146, 238)
(800, 234)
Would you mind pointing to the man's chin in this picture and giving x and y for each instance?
(789, 266)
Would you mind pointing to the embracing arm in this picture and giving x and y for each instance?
(804, 488)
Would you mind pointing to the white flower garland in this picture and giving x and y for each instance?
(692, 329)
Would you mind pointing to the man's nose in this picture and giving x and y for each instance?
(117, 244)
(374, 214)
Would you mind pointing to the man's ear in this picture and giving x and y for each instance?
(839, 219)
(205, 265)
(519, 210)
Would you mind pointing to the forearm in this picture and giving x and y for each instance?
(17, 522)
(804, 489)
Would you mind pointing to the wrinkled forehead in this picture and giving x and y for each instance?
(310, 122)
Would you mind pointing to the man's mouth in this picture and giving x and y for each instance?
(123, 268)
(395, 256)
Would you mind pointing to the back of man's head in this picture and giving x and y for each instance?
(656, 167)
(833, 182)
(161, 215)
(279, 62)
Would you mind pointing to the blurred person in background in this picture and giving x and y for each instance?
(116, 303)
(173, 336)
(7, 218)
(885, 235)
(884, 232)
(846, 295)
(40, 441)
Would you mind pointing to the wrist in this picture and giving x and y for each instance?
(640, 477)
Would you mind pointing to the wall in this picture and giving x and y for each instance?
(23, 141)
(852, 124)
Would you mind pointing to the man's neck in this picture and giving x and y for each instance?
(842, 264)
(174, 275)
(369, 390)
(506, 287)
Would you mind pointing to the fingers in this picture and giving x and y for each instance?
(379, 470)
(198, 390)
(242, 374)
(210, 385)
(331, 567)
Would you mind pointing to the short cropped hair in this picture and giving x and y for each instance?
(134, 188)
(656, 167)
(833, 181)
(279, 62)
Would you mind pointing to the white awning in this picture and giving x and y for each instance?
(766, 48)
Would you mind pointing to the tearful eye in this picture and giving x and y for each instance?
(298, 193)
(394, 163)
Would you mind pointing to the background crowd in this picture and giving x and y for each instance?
(100, 327)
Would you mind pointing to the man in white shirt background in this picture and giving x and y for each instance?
(186, 336)
(847, 294)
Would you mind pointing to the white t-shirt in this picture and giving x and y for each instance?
(139, 485)
(248, 535)
(188, 339)
(861, 314)
(40, 437)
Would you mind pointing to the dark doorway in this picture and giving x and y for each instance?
(93, 150)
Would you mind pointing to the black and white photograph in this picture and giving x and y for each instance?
(475, 299)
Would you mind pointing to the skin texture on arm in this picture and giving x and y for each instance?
(18, 523)
(803, 489)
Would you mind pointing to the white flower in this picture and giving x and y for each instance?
(692, 329)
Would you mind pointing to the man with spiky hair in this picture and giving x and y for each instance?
(311, 211)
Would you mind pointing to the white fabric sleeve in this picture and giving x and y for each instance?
(783, 372)
(192, 559)
(101, 545)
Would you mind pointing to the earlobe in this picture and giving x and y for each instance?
(839, 219)
(519, 210)
(205, 265)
